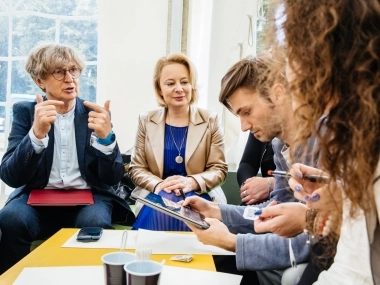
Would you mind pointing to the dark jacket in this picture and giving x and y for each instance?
(24, 169)
(257, 155)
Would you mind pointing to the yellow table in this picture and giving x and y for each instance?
(50, 253)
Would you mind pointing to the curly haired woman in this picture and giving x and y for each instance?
(333, 49)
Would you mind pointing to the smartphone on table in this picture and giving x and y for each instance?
(88, 234)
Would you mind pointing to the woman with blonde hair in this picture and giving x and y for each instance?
(179, 147)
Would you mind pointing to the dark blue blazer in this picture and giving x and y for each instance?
(22, 168)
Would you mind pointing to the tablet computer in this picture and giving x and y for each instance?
(169, 207)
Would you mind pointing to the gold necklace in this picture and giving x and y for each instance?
(179, 158)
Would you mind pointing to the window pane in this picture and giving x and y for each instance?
(22, 83)
(2, 127)
(88, 83)
(3, 78)
(3, 36)
(262, 28)
(64, 8)
(38, 29)
(4, 8)
(35, 6)
(83, 35)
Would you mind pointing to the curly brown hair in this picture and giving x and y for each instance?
(333, 47)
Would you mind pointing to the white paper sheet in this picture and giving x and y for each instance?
(174, 243)
(80, 275)
(73, 275)
(160, 242)
(109, 239)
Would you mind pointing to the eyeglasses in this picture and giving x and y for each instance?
(59, 74)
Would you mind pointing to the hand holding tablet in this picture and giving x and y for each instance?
(170, 208)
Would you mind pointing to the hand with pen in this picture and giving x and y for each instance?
(316, 195)
(288, 219)
(200, 205)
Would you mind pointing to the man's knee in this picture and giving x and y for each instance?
(94, 217)
(14, 217)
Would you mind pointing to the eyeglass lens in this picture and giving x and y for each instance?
(60, 74)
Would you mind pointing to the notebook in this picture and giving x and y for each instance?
(60, 197)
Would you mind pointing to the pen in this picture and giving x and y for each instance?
(183, 197)
(309, 177)
(182, 194)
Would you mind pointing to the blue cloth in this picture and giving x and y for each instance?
(151, 219)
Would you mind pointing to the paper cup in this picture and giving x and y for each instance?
(143, 272)
(113, 264)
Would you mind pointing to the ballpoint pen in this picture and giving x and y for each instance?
(309, 177)
(183, 196)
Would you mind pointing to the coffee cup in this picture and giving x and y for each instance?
(143, 272)
(113, 264)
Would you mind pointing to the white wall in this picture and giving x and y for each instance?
(214, 44)
(132, 37)
(198, 44)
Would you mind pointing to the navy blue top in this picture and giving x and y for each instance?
(171, 167)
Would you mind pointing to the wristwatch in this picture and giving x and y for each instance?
(108, 140)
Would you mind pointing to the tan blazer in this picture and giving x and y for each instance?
(204, 157)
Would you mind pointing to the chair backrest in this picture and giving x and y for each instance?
(126, 185)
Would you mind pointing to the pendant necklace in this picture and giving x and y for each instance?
(179, 158)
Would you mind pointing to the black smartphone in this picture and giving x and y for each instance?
(87, 234)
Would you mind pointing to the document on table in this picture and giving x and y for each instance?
(109, 239)
(176, 243)
(94, 275)
(160, 242)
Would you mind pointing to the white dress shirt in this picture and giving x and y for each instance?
(65, 173)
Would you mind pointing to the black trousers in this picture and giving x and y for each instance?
(227, 264)
(314, 268)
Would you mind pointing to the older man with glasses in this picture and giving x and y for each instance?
(58, 142)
